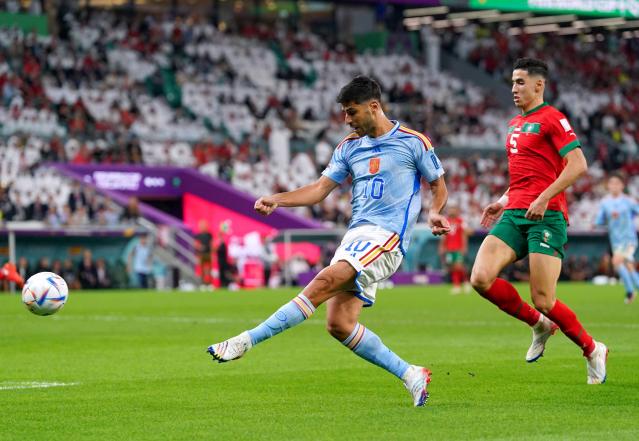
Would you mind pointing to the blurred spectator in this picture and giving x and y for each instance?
(80, 217)
(23, 268)
(70, 275)
(37, 210)
(87, 273)
(6, 207)
(111, 213)
(131, 212)
(43, 265)
(577, 268)
(77, 198)
(269, 259)
(518, 271)
(53, 219)
(226, 268)
(204, 241)
(65, 215)
(297, 265)
(18, 210)
(604, 267)
(140, 260)
(56, 266)
(102, 273)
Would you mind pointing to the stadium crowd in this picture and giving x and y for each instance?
(181, 92)
(83, 273)
(45, 196)
(590, 80)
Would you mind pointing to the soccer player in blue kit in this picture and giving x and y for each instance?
(386, 162)
(617, 211)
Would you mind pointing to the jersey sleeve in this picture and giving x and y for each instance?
(634, 207)
(561, 135)
(427, 162)
(601, 218)
(337, 169)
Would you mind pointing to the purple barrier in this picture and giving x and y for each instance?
(133, 180)
(432, 277)
(221, 193)
(78, 173)
(122, 181)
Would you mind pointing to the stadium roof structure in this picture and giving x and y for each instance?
(525, 19)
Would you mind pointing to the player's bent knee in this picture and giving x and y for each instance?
(338, 329)
(543, 303)
(481, 279)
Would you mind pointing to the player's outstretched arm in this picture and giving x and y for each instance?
(438, 223)
(308, 195)
(600, 218)
(576, 166)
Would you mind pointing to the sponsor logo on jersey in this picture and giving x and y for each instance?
(565, 124)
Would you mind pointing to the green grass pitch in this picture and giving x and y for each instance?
(133, 367)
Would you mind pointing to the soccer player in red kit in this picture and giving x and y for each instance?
(453, 248)
(544, 158)
(8, 272)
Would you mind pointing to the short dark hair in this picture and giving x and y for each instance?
(533, 66)
(617, 175)
(360, 89)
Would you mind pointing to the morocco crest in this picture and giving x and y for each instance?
(373, 165)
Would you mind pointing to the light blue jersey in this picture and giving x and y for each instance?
(386, 173)
(618, 214)
(142, 258)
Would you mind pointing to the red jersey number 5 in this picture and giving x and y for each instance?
(513, 142)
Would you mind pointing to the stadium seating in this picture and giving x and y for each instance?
(189, 95)
(590, 76)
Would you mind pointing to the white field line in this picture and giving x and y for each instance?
(141, 318)
(314, 321)
(16, 385)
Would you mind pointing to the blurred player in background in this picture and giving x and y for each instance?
(544, 158)
(204, 247)
(386, 162)
(617, 212)
(9, 273)
(453, 248)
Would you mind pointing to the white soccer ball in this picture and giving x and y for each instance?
(45, 293)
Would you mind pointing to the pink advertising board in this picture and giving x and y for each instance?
(196, 209)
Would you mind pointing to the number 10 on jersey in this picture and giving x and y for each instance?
(374, 188)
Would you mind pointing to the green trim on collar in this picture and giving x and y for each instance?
(544, 104)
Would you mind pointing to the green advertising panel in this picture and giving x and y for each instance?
(602, 8)
(26, 22)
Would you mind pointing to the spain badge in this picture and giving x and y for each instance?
(373, 165)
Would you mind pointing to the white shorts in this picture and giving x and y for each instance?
(627, 251)
(374, 253)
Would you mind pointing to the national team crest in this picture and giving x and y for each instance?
(373, 165)
(547, 235)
